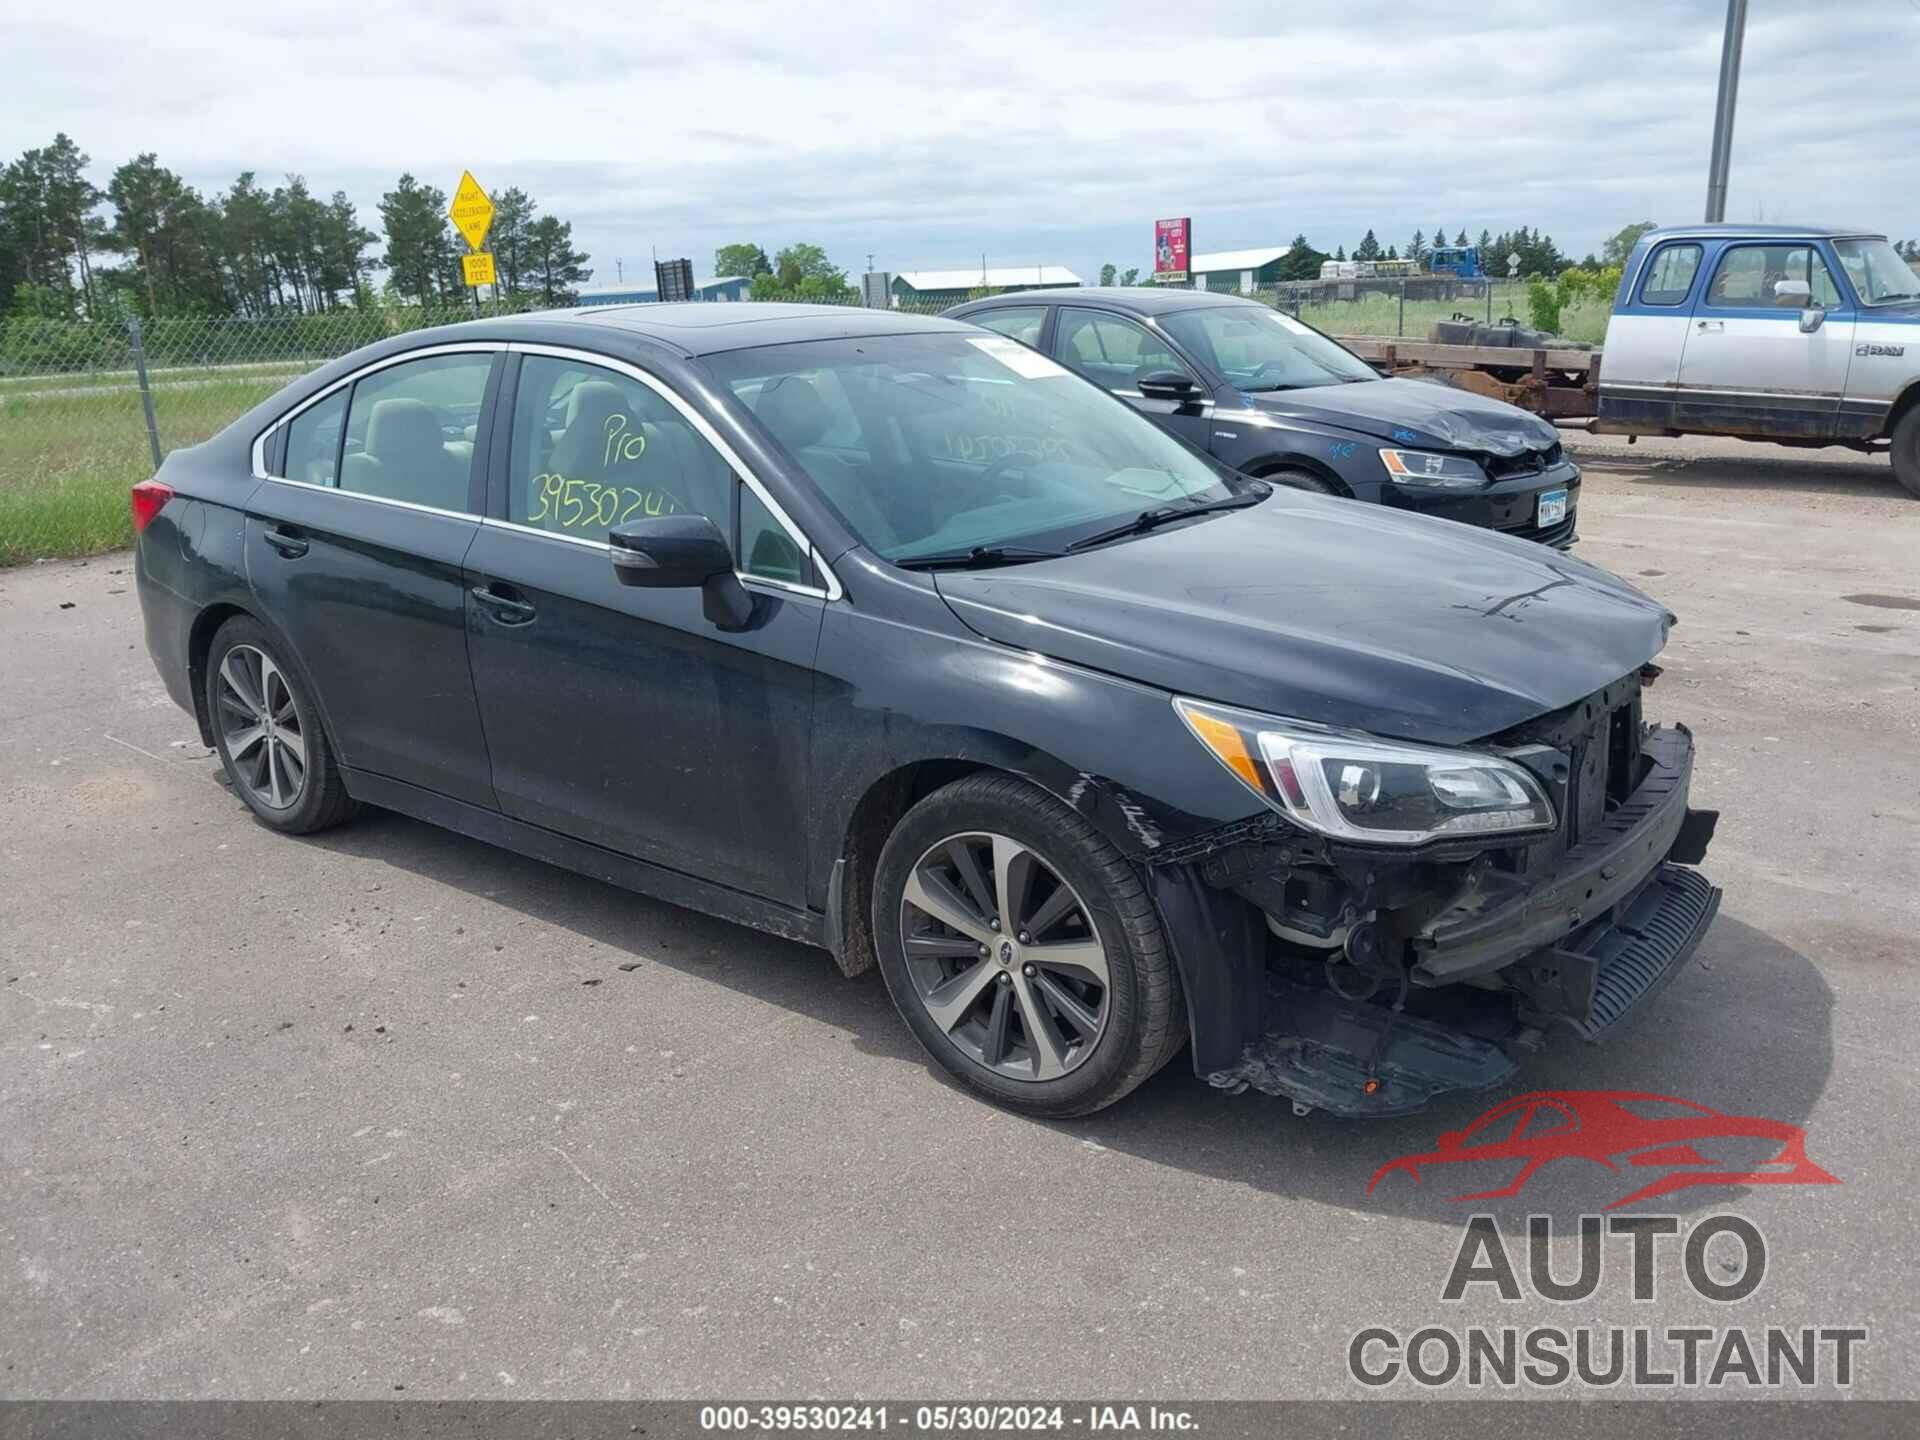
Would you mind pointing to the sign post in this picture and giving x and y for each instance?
(472, 215)
(1172, 247)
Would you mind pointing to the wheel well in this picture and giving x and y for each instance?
(1261, 469)
(199, 643)
(1909, 399)
(879, 810)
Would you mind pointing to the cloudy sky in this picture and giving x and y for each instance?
(926, 134)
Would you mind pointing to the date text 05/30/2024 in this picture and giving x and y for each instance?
(946, 1419)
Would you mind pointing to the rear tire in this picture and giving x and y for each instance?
(267, 730)
(1906, 450)
(1062, 1022)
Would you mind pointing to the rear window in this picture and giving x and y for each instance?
(1670, 275)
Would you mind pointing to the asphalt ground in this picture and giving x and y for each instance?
(387, 1108)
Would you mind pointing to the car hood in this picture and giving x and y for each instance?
(1343, 613)
(1414, 412)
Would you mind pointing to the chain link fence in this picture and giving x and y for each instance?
(88, 408)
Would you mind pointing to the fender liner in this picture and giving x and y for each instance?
(1219, 947)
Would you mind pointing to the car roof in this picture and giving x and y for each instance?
(1135, 299)
(1724, 230)
(709, 327)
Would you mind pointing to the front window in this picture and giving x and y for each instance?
(948, 442)
(1749, 277)
(1879, 275)
(1260, 349)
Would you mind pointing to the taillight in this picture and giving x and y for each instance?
(149, 496)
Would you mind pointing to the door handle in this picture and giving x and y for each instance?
(1711, 327)
(290, 543)
(505, 609)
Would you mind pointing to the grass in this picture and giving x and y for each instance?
(1380, 315)
(69, 456)
(72, 445)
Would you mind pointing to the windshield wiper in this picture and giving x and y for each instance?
(980, 557)
(1165, 514)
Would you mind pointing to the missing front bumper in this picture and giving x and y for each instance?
(1364, 1059)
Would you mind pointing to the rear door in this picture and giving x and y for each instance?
(1748, 367)
(354, 551)
(1114, 351)
(623, 716)
(1647, 334)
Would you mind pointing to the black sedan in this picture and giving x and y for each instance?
(890, 635)
(1273, 397)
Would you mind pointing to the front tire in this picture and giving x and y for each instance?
(1300, 480)
(1906, 450)
(267, 730)
(1022, 949)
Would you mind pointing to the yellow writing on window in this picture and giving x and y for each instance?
(623, 442)
(585, 505)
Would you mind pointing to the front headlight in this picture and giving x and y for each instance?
(1380, 792)
(1421, 467)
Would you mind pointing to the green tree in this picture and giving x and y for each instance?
(805, 269)
(421, 260)
(1620, 244)
(741, 259)
(555, 268)
(1107, 273)
(1486, 244)
(1302, 261)
(513, 216)
(1460, 240)
(1368, 248)
(172, 237)
(1131, 276)
(1417, 247)
(1341, 253)
(48, 230)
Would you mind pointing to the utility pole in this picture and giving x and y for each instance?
(1723, 110)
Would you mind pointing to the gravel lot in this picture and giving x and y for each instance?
(391, 1109)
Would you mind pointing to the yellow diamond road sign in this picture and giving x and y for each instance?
(478, 267)
(472, 211)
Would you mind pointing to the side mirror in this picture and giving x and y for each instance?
(1167, 385)
(679, 552)
(1811, 319)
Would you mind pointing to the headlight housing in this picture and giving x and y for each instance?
(1422, 467)
(1377, 792)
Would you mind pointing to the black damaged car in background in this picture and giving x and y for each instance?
(1275, 398)
(1096, 747)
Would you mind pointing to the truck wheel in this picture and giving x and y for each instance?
(268, 732)
(1022, 950)
(1906, 450)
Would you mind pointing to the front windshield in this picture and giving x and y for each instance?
(945, 442)
(1260, 349)
(1879, 275)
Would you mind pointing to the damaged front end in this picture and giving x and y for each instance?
(1363, 975)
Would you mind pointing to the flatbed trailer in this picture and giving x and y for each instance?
(1557, 383)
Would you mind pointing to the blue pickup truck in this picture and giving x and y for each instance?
(1793, 334)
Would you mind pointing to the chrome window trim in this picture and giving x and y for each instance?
(832, 590)
(467, 347)
(811, 591)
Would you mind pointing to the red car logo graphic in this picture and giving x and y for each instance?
(1615, 1128)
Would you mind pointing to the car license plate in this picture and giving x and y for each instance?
(1553, 507)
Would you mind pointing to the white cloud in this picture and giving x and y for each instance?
(928, 134)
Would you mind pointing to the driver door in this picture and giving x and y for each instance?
(1113, 351)
(619, 715)
(1748, 368)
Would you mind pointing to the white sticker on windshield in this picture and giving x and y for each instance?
(1028, 364)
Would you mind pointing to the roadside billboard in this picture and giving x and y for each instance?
(1171, 245)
